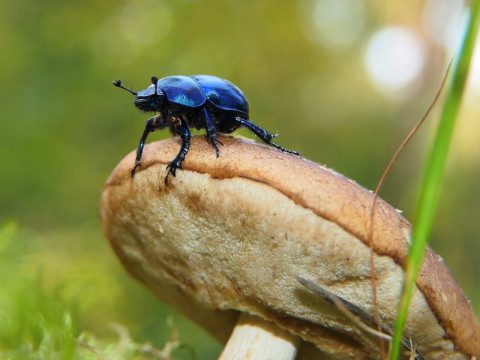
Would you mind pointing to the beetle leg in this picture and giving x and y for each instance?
(176, 163)
(211, 132)
(263, 134)
(150, 127)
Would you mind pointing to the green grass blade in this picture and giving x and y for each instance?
(434, 170)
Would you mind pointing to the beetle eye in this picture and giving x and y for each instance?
(140, 101)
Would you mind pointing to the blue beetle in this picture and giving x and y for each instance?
(200, 101)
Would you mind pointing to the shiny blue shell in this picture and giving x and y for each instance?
(193, 91)
(182, 90)
(222, 93)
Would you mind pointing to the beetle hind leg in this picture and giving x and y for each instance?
(211, 132)
(264, 135)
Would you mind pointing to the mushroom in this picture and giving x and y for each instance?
(226, 241)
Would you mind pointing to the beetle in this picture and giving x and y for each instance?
(200, 101)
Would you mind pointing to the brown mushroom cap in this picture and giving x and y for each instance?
(232, 234)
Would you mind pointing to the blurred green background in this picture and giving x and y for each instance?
(342, 81)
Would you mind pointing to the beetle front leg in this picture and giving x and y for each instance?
(211, 132)
(184, 133)
(263, 134)
(150, 127)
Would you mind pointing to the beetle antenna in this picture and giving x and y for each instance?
(118, 83)
(155, 82)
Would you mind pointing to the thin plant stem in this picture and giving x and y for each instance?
(434, 170)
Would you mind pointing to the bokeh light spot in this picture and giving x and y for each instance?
(474, 76)
(120, 39)
(394, 58)
(111, 49)
(335, 23)
(146, 22)
(444, 21)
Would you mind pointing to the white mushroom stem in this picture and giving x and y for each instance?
(254, 338)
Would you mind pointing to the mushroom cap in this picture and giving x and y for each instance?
(233, 234)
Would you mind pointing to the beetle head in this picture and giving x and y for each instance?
(149, 100)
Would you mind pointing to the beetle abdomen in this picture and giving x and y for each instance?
(222, 93)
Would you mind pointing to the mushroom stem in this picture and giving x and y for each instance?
(254, 338)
